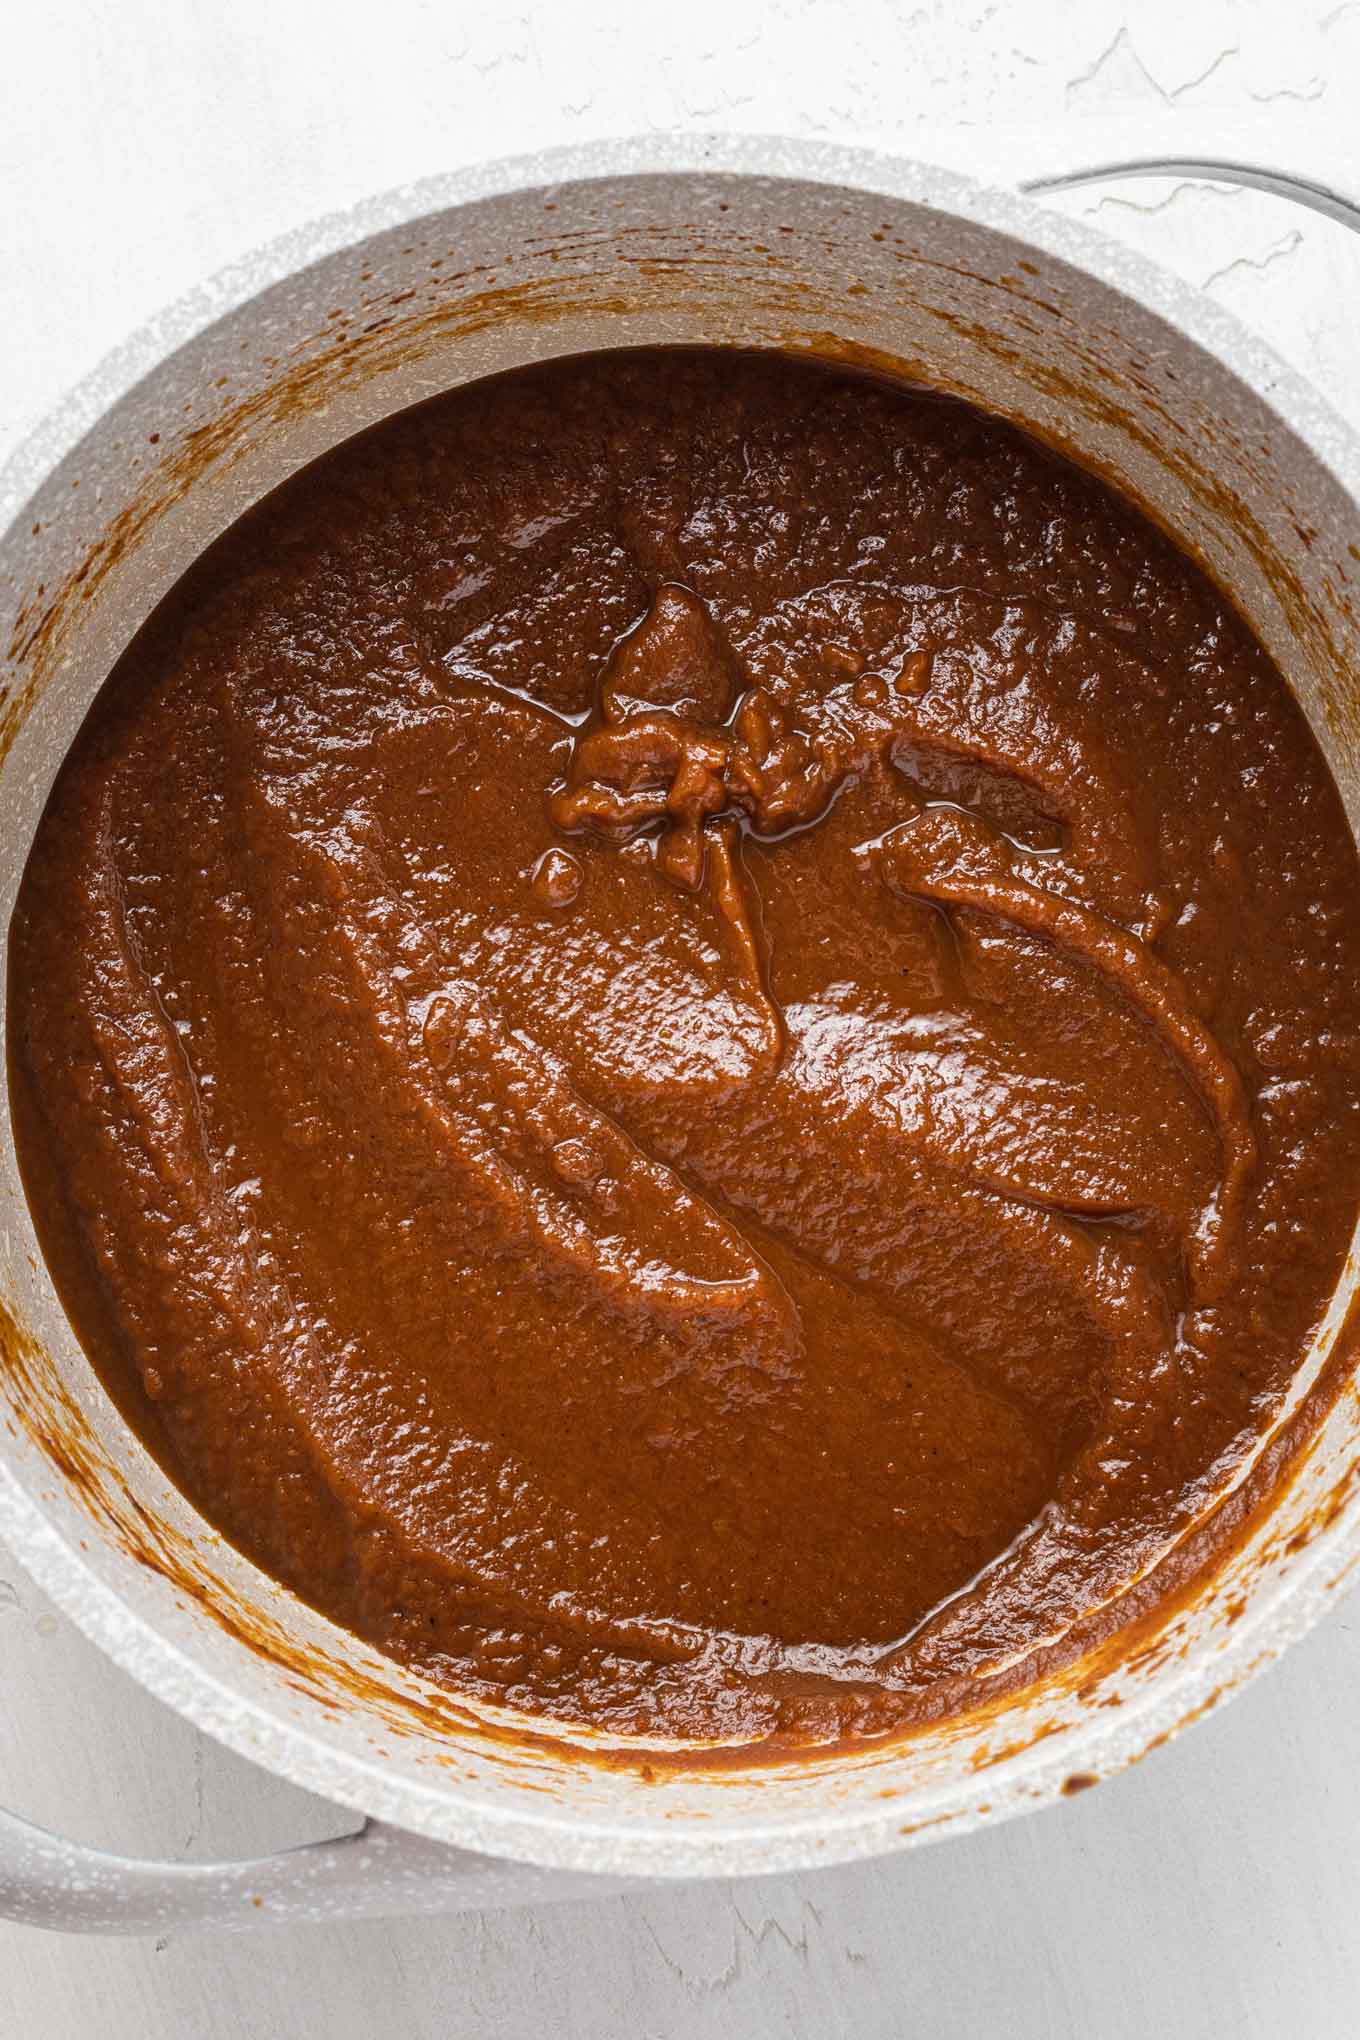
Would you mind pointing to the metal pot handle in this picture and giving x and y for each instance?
(379, 1871)
(1307, 191)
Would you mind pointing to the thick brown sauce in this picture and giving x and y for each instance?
(687, 1034)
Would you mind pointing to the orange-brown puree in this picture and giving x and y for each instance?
(685, 1033)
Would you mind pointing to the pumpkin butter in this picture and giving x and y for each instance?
(686, 1035)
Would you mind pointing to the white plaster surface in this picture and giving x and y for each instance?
(1212, 1890)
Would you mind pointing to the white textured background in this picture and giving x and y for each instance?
(1212, 1891)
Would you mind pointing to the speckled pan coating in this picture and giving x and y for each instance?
(754, 242)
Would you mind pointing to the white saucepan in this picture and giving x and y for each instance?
(760, 243)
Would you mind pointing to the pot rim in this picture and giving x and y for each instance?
(1295, 1596)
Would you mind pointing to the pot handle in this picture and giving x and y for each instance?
(376, 1872)
(1306, 191)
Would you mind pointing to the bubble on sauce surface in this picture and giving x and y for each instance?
(557, 878)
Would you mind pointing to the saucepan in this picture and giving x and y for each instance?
(843, 255)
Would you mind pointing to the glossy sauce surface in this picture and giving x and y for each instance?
(686, 1033)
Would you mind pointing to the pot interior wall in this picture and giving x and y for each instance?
(927, 285)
